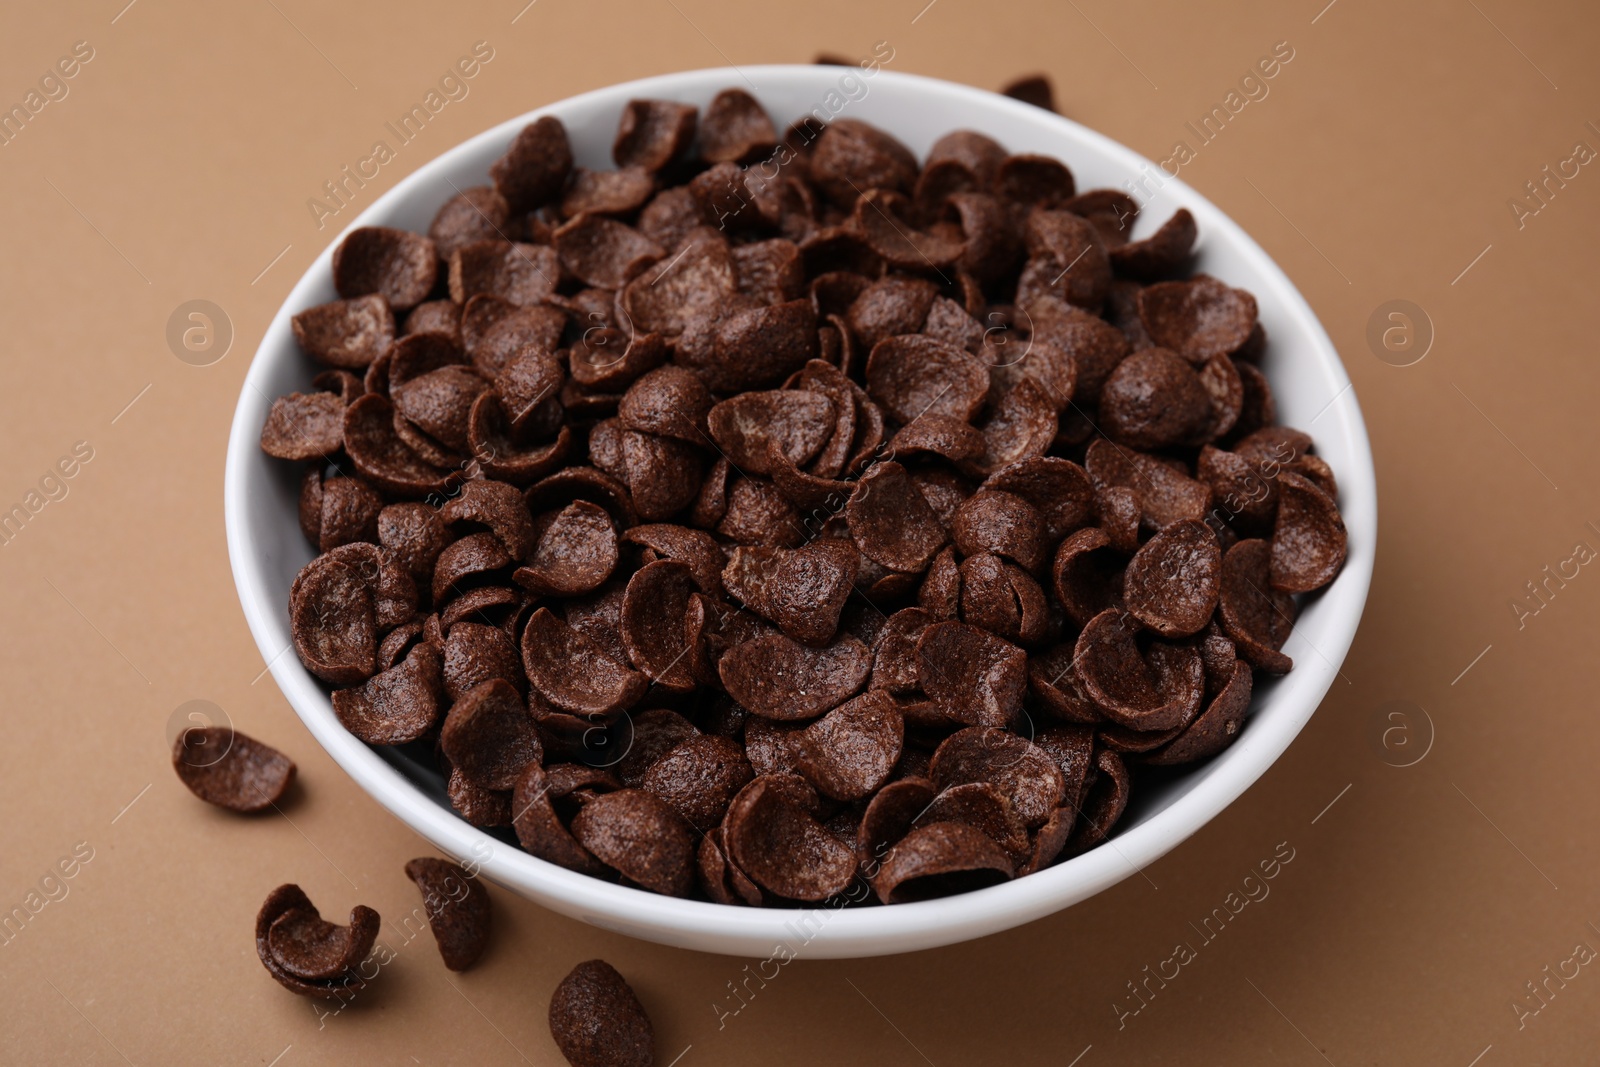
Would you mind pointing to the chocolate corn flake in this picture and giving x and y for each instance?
(308, 955)
(397, 265)
(224, 767)
(458, 910)
(597, 1021)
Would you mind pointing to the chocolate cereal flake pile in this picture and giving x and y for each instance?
(773, 516)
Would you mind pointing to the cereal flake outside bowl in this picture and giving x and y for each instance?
(1313, 392)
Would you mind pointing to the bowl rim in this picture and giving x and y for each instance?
(822, 931)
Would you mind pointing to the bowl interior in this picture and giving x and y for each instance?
(1312, 391)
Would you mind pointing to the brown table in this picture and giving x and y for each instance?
(1381, 166)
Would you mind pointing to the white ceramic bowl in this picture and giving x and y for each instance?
(1313, 393)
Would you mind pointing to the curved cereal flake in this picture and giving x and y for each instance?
(891, 522)
(797, 421)
(606, 192)
(489, 437)
(1110, 211)
(1219, 376)
(890, 307)
(1058, 489)
(535, 166)
(603, 252)
(649, 736)
(293, 942)
(779, 678)
(468, 560)
(887, 818)
(476, 652)
(663, 474)
(540, 829)
(652, 133)
(671, 401)
(597, 1021)
(495, 332)
(641, 836)
(653, 632)
(880, 218)
(721, 879)
(523, 274)
(415, 534)
(770, 271)
(333, 616)
(693, 284)
(1216, 727)
(1093, 346)
(851, 751)
(1020, 427)
(941, 859)
(442, 317)
(381, 457)
(345, 333)
(1308, 540)
(940, 592)
(1066, 260)
(976, 677)
(572, 672)
(772, 837)
(1072, 749)
(894, 654)
(489, 736)
(851, 157)
(576, 553)
(224, 767)
(457, 906)
(490, 605)
(1154, 400)
(938, 435)
(1198, 318)
(1053, 681)
(735, 129)
(304, 426)
(1162, 254)
(1245, 496)
(1004, 599)
(1121, 512)
(1257, 408)
(1086, 575)
(1049, 841)
(992, 520)
(696, 549)
(1107, 799)
(480, 807)
(1154, 689)
(983, 806)
(913, 375)
(606, 358)
(396, 705)
(348, 512)
(1034, 181)
(1172, 582)
(699, 777)
(756, 347)
(477, 213)
(803, 590)
(398, 265)
(1165, 496)
(756, 513)
(529, 387)
(499, 507)
(1020, 771)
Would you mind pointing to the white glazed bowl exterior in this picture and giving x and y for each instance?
(1312, 390)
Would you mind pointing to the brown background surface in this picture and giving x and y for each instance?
(1418, 903)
